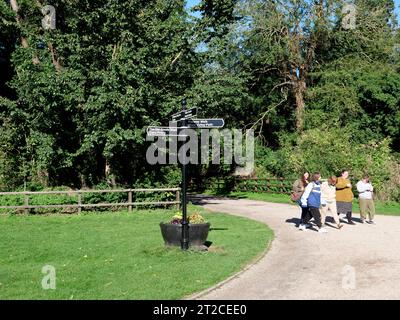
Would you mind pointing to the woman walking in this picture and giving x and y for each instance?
(297, 191)
(311, 198)
(344, 196)
(328, 201)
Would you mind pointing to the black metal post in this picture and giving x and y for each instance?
(185, 224)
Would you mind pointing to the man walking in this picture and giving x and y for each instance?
(365, 198)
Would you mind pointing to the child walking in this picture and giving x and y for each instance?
(328, 201)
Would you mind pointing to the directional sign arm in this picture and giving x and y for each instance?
(186, 114)
(162, 131)
(205, 123)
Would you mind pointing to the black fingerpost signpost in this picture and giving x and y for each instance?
(185, 224)
(186, 121)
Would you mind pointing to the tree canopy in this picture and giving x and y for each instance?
(319, 83)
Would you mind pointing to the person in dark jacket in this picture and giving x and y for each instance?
(311, 198)
(298, 189)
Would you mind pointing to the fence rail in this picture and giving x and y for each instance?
(275, 185)
(79, 205)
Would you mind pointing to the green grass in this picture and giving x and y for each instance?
(119, 255)
(384, 208)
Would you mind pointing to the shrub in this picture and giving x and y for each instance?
(329, 151)
(391, 188)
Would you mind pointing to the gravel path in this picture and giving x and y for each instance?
(311, 265)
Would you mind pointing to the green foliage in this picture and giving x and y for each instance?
(112, 197)
(329, 150)
(75, 101)
(361, 95)
(85, 104)
(39, 199)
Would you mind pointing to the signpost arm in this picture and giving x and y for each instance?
(185, 224)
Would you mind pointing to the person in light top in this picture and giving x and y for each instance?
(328, 201)
(365, 198)
(311, 198)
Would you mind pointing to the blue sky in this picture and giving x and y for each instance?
(191, 3)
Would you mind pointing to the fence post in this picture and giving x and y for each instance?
(130, 200)
(79, 202)
(282, 186)
(26, 201)
(178, 199)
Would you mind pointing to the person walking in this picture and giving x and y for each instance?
(365, 199)
(344, 196)
(297, 191)
(328, 200)
(311, 198)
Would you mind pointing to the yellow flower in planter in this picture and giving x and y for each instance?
(196, 218)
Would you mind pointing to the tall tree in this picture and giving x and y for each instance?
(288, 41)
(283, 39)
(108, 70)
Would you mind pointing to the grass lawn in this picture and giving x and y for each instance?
(119, 255)
(385, 208)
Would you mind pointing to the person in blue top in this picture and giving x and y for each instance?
(311, 198)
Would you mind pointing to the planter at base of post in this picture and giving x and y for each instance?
(172, 234)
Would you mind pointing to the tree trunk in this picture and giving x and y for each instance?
(109, 176)
(54, 58)
(43, 177)
(299, 89)
(299, 86)
(15, 8)
(24, 41)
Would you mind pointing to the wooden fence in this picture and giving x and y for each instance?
(79, 205)
(273, 185)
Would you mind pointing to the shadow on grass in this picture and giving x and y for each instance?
(208, 244)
